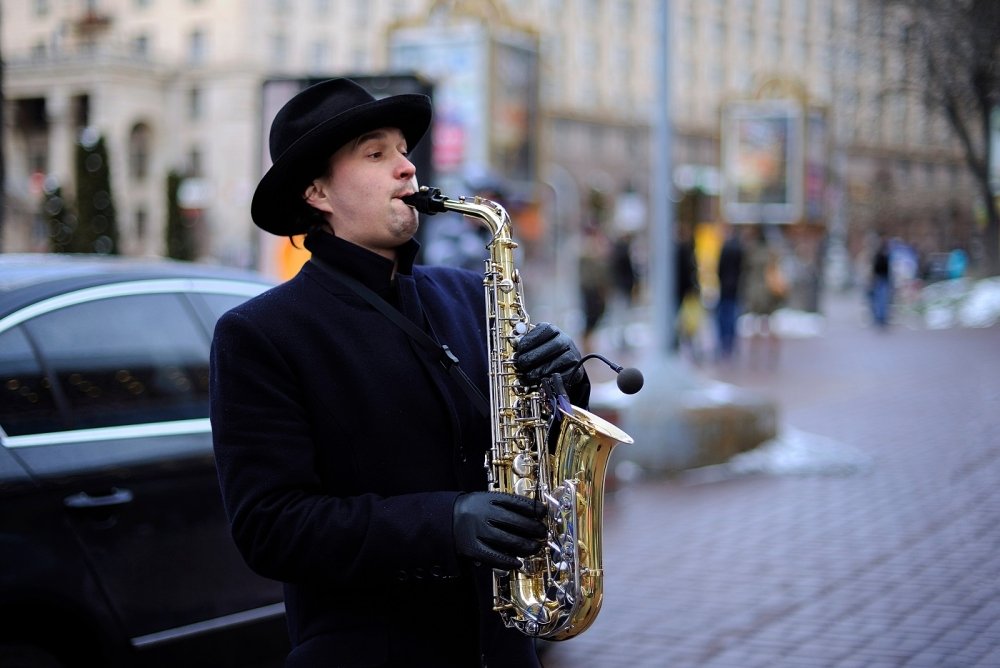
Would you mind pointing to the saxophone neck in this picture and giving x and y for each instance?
(491, 214)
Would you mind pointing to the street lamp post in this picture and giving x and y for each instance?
(649, 416)
(662, 273)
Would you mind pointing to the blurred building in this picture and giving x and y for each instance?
(177, 85)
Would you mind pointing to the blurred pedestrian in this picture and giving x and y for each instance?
(624, 280)
(765, 289)
(595, 279)
(687, 292)
(880, 289)
(729, 270)
(350, 461)
(623, 268)
(958, 262)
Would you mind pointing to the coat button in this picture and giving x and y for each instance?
(402, 576)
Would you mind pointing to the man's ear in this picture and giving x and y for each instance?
(315, 196)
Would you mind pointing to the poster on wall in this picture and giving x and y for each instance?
(514, 107)
(762, 162)
(485, 107)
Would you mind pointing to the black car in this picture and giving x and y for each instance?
(114, 547)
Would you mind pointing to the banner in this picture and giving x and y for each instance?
(762, 162)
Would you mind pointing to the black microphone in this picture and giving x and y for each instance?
(630, 379)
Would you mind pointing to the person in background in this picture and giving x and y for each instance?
(595, 279)
(350, 461)
(729, 269)
(687, 291)
(880, 289)
(764, 292)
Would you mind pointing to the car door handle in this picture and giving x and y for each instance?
(83, 500)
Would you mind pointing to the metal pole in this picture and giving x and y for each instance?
(662, 259)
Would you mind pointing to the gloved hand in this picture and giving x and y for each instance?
(546, 350)
(495, 528)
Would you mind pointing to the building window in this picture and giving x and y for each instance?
(319, 55)
(138, 151)
(196, 47)
(140, 46)
(141, 218)
(194, 166)
(279, 50)
(195, 104)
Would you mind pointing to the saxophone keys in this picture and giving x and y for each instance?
(524, 487)
(524, 464)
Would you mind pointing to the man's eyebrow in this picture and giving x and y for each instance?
(371, 136)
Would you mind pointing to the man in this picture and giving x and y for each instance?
(351, 462)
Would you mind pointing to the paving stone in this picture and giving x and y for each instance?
(892, 563)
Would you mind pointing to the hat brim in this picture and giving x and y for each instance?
(276, 201)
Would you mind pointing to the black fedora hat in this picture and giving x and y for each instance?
(310, 128)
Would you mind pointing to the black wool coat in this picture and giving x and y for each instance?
(341, 447)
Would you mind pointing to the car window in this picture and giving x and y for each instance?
(124, 360)
(26, 402)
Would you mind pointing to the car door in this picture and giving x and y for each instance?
(130, 466)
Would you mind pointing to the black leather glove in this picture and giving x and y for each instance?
(546, 350)
(495, 528)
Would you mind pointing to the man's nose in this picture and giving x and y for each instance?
(406, 168)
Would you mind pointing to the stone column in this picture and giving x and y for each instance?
(62, 138)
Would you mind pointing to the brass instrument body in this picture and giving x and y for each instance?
(557, 593)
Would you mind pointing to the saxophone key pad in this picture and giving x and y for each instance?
(524, 464)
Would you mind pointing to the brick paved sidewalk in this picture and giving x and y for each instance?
(893, 563)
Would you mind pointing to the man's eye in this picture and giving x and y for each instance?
(375, 154)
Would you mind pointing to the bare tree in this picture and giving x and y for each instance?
(953, 60)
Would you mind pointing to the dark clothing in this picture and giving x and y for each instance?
(881, 287)
(880, 264)
(341, 448)
(727, 311)
(730, 268)
(687, 271)
(623, 269)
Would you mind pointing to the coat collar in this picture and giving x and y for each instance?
(370, 268)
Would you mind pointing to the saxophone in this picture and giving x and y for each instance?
(557, 593)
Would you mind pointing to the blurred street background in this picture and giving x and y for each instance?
(854, 144)
(866, 534)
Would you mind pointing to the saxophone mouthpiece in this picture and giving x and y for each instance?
(426, 200)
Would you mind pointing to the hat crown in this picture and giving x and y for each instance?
(311, 108)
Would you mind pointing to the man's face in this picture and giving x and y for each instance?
(362, 189)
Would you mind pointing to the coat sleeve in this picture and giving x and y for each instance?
(283, 523)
